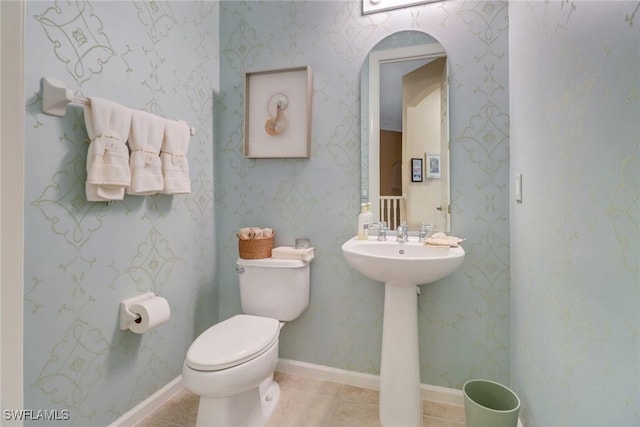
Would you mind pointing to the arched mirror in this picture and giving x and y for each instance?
(405, 131)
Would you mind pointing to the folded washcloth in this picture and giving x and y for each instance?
(441, 239)
(289, 252)
(108, 173)
(145, 141)
(175, 165)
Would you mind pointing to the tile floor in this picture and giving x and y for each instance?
(310, 402)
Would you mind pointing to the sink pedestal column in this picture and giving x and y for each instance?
(400, 403)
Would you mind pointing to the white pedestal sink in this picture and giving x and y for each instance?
(401, 267)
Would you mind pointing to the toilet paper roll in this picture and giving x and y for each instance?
(153, 312)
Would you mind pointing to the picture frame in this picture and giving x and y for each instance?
(373, 6)
(433, 166)
(416, 169)
(277, 113)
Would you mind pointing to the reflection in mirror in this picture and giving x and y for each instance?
(405, 131)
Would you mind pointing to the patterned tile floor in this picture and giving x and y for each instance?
(310, 402)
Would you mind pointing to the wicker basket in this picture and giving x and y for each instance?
(255, 248)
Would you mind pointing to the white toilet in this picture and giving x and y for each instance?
(231, 364)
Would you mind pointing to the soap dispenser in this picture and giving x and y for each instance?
(364, 220)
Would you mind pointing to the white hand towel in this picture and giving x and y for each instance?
(108, 173)
(145, 141)
(441, 239)
(175, 165)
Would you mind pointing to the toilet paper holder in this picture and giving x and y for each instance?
(126, 315)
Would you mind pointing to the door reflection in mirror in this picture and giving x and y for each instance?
(405, 115)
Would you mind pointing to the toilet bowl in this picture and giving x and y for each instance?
(231, 364)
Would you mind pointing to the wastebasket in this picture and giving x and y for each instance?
(489, 404)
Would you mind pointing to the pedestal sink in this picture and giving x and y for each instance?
(401, 266)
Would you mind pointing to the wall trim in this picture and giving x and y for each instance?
(150, 404)
(358, 379)
(429, 392)
(342, 376)
(12, 108)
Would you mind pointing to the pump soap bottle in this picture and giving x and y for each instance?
(364, 220)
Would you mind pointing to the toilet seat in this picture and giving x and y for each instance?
(232, 342)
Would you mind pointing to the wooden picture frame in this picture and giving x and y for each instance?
(277, 113)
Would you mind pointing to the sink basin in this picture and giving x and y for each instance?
(401, 267)
(409, 263)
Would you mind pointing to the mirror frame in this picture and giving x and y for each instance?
(375, 58)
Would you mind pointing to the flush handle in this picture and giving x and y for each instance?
(240, 270)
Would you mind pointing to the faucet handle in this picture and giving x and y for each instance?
(426, 230)
(382, 230)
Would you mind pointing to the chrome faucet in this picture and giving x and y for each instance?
(426, 230)
(382, 229)
(402, 232)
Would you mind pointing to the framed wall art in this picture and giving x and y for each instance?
(433, 166)
(372, 6)
(277, 113)
(416, 169)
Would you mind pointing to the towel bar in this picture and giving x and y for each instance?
(56, 96)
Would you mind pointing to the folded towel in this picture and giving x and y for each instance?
(145, 141)
(108, 172)
(175, 165)
(441, 239)
(289, 252)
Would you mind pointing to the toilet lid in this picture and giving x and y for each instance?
(232, 342)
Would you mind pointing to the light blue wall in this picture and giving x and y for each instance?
(575, 137)
(464, 319)
(574, 352)
(82, 258)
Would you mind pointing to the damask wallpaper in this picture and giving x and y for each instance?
(547, 303)
(575, 137)
(82, 258)
(464, 319)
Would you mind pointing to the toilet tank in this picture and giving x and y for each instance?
(275, 288)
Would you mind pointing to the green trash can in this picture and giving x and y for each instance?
(489, 404)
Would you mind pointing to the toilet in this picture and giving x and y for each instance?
(231, 364)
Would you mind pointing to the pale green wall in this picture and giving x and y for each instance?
(82, 258)
(575, 137)
(464, 320)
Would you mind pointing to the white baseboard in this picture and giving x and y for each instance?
(342, 376)
(150, 404)
(357, 379)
